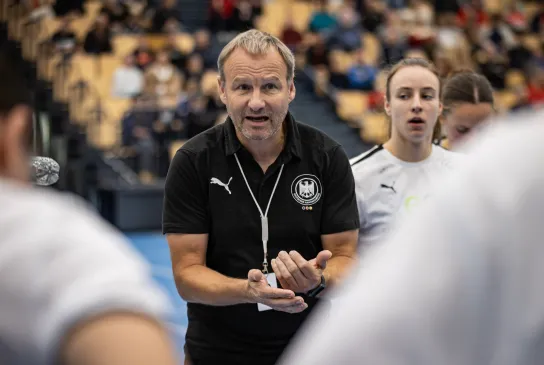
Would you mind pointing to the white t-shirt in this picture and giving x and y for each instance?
(60, 264)
(388, 189)
(462, 281)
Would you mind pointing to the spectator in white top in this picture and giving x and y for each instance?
(72, 291)
(128, 79)
(461, 281)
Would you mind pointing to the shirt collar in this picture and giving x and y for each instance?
(292, 143)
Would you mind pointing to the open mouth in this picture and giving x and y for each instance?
(261, 118)
(416, 121)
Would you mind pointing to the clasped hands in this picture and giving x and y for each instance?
(295, 274)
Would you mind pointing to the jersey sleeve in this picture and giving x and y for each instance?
(340, 205)
(185, 202)
(363, 212)
(55, 279)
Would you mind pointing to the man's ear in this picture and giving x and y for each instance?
(221, 87)
(292, 90)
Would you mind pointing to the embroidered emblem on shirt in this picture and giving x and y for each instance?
(306, 189)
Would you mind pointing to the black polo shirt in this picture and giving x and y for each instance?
(315, 196)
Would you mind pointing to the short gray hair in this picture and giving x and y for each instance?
(256, 42)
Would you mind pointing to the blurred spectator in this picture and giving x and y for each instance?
(361, 76)
(199, 118)
(242, 18)
(473, 14)
(290, 35)
(220, 12)
(128, 79)
(192, 88)
(499, 33)
(167, 17)
(492, 64)
(417, 20)
(519, 55)
(373, 14)
(194, 68)
(163, 81)
(64, 40)
(98, 40)
(347, 35)
(516, 18)
(117, 13)
(538, 57)
(175, 55)
(68, 7)
(444, 63)
(393, 39)
(535, 89)
(143, 54)
(321, 21)
(204, 48)
(137, 137)
(318, 54)
(537, 23)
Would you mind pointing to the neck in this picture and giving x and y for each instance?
(265, 152)
(408, 151)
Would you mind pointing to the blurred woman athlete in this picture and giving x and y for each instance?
(392, 178)
(468, 101)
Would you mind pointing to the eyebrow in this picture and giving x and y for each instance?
(239, 79)
(427, 88)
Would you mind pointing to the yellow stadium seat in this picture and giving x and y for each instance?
(124, 44)
(341, 61)
(505, 100)
(375, 128)
(185, 42)
(208, 84)
(351, 105)
(300, 13)
(371, 48)
(515, 78)
(175, 146)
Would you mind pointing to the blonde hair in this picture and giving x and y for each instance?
(256, 42)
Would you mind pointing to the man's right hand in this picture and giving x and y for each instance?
(278, 299)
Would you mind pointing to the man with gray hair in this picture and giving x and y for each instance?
(259, 212)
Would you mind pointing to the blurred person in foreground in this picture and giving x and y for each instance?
(461, 280)
(72, 291)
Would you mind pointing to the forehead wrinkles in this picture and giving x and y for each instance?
(257, 66)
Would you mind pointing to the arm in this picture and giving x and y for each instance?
(343, 247)
(117, 338)
(195, 282)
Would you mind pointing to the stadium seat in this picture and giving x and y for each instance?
(175, 146)
(514, 78)
(351, 105)
(375, 128)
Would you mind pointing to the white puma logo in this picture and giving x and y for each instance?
(215, 180)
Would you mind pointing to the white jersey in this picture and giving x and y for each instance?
(461, 281)
(388, 188)
(61, 264)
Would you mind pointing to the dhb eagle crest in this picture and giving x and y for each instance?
(306, 189)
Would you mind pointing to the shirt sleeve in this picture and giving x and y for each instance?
(185, 202)
(53, 279)
(340, 205)
(363, 213)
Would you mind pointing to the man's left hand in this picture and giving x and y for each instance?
(296, 273)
